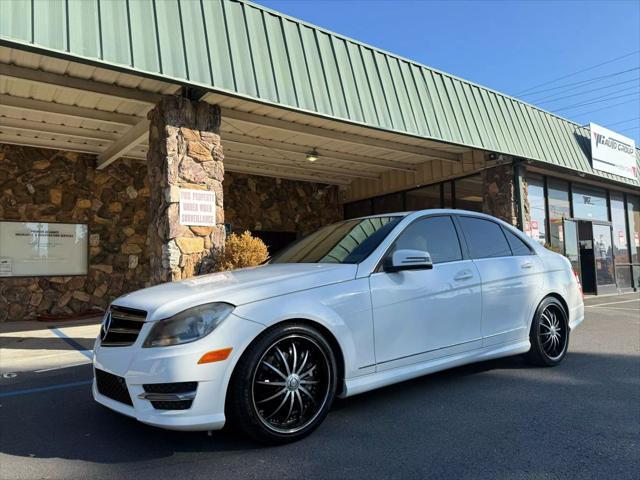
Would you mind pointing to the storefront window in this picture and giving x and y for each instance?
(589, 203)
(422, 198)
(633, 207)
(469, 193)
(358, 209)
(448, 195)
(620, 240)
(388, 203)
(536, 228)
(559, 209)
(618, 221)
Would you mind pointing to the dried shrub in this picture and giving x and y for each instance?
(242, 251)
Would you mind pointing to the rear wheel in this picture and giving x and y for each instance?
(283, 385)
(549, 334)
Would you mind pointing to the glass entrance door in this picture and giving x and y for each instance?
(603, 256)
(571, 245)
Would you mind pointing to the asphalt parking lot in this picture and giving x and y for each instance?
(498, 419)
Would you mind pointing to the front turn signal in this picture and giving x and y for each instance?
(215, 356)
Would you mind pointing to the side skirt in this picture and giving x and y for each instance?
(372, 381)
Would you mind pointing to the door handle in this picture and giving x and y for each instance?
(526, 265)
(463, 275)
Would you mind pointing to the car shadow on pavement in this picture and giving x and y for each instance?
(68, 424)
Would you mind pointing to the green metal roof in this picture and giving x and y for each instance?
(248, 50)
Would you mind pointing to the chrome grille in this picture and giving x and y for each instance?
(122, 326)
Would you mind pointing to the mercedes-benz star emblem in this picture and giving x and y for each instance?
(105, 325)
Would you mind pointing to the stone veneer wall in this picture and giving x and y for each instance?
(274, 204)
(58, 186)
(499, 195)
(184, 152)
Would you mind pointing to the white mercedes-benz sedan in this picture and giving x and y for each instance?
(357, 305)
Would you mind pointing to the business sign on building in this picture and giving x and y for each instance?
(613, 153)
(197, 207)
(38, 248)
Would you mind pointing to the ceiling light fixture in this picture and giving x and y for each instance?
(312, 156)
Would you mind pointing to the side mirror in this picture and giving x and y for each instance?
(407, 260)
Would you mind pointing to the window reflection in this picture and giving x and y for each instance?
(423, 198)
(559, 209)
(536, 228)
(469, 193)
(589, 203)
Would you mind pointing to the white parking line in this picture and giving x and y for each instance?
(63, 366)
(620, 308)
(613, 303)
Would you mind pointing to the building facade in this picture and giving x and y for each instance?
(119, 118)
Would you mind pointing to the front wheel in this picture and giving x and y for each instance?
(284, 384)
(549, 334)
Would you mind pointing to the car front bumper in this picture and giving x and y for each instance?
(139, 366)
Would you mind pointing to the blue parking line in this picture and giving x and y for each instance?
(28, 391)
(72, 342)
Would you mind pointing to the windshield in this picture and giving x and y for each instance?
(350, 241)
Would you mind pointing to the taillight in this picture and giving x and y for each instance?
(575, 274)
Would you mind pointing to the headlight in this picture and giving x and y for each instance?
(188, 326)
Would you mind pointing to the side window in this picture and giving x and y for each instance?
(436, 235)
(518, 247)
(484, 238)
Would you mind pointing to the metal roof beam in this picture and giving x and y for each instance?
(54, 128)
(61, 109)
(125, 143)
(263, 121)
(80, 85)
(339, 156)
(259, 160)
(240, 168)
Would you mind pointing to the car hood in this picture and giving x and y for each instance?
(238, 287)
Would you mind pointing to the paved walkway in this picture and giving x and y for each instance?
(39, 346)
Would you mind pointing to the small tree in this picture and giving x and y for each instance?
(242, 251)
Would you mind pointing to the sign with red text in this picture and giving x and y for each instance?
(197, 207)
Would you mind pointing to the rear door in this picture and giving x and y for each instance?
(511, 276)
(423, 314)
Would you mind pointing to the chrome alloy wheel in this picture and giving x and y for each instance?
(553, 332)
(291, 383)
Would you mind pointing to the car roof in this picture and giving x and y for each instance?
(417, 213)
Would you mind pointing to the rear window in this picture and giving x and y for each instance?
(484, 238)
(518, 247)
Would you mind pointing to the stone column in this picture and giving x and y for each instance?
(184, 152)
(499, 193)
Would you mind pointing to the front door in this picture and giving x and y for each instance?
(571, 250)
(587, 258)
(422, 314)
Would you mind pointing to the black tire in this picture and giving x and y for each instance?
(549, 334)
(306, 397)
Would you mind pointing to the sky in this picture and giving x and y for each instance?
(520, 48)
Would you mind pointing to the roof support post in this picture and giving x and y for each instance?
(521, 199)
(499, 192)
(185, 162)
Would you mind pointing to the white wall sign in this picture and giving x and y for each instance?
(197, 207)
(39, 248)
(613, 153)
